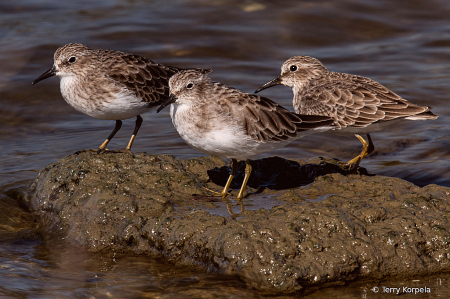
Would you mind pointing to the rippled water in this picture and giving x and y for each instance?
(404, 45)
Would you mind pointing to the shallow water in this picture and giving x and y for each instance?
(404, 45)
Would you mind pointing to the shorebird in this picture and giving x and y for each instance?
(222, 121)
(110, 85)
(357, 104)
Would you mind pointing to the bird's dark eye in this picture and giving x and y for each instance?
(293, 68)
(72, 59)
(190, 85)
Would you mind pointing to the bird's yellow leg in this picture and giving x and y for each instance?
(135, 131)
(224, 192)
(102, 147)
(368, 147)
(130, 143)
(248, 171)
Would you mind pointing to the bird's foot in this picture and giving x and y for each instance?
(352, 167)
(214, 193)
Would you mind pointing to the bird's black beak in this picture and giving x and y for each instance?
(51, 72)
(171, 100)
(276, 81)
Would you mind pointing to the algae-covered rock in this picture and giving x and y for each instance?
(326, 229)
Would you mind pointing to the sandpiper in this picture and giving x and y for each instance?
(222, 121)
(107, 84)
(357, 104)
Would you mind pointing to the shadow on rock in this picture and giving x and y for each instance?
(277, 173)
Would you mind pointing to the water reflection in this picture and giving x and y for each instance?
(51, 269)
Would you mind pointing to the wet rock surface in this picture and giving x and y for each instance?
(328, 228)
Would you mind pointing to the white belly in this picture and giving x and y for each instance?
(100, 104)
(224, 140)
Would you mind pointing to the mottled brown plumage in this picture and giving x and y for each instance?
(108, 84)
(357, 104)
(223, 121)
(147, 79)
(263, 119)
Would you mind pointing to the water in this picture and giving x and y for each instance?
(404, 45)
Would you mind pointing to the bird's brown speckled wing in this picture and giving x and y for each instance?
(357, 101)
(148, 80)
(263, 119)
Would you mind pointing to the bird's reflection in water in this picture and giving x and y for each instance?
(230, 209)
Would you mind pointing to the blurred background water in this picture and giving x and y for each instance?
(405, 45)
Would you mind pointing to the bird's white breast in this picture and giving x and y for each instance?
(223, 137)
(99, 103)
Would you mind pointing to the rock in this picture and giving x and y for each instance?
(16, 223)
(327, 229)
